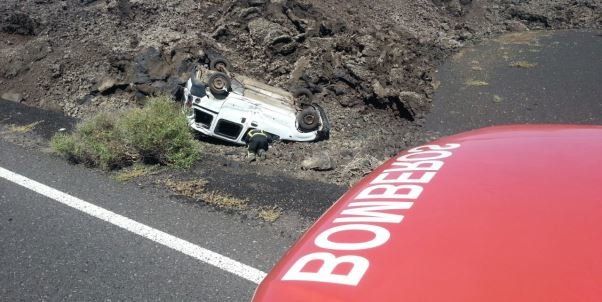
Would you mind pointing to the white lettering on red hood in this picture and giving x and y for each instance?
(395, 188)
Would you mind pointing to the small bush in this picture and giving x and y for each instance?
(157, 133)
(64, 144)
(96, 142)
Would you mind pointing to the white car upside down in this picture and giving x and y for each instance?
(227, 106)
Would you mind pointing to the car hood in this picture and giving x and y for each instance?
(510, 213)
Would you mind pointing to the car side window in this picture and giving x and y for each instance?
(228, 129)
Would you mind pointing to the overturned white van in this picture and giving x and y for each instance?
(227, 106)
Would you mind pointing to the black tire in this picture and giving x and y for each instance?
(303, 97)
(219, 84)
(308, 119)
(219, 64)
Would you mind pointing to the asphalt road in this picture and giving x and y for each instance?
(531, 77)
(57, 253)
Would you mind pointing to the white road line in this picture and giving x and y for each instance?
(180, 245)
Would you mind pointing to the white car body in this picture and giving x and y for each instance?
(249, 105)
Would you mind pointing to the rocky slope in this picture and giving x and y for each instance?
(370, 62)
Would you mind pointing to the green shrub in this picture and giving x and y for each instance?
(157, 133)
(65, 144)
(95, 142)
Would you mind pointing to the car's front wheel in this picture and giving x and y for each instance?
(308, 119)
(219, 84)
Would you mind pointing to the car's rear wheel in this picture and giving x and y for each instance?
(303, 97)
(308, 119)
(219, 84)
(219, 64)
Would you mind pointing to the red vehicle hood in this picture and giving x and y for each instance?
(509, 213)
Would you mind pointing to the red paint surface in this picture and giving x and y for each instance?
(514, 215)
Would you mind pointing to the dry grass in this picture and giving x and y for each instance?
(14, 129)
(497, 98)
(270, 214)
(478, 83)
(137, 170)
(196, 190)
(187, 188)
(224, 201)
(523, 64)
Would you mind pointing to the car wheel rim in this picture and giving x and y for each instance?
(219, 83)
(309, 119)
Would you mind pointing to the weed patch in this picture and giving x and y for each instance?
(22, 129)
(95, 143)
(159, 133)
(195, 189)
(270, 214)
(155, 134)
(225, 201)
(187, 188)
(134, 172)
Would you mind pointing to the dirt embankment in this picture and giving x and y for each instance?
(369, 62)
